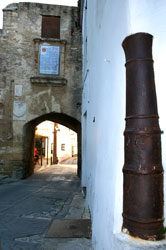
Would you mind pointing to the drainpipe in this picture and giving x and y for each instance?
(143, 172)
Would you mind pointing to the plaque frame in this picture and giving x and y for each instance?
(54, 72)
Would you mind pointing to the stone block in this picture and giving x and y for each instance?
(124, 241)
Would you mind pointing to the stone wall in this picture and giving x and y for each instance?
(25, 94)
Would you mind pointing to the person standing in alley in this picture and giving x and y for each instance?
(36, 155)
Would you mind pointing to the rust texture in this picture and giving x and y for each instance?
(143, 172)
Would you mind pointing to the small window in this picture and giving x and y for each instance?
(63, 147)
(51, 27)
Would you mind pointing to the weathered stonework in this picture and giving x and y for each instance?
(26, 97)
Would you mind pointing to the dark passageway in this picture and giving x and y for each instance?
(29, 137)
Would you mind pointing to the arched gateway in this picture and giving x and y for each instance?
(29, 132)
(40, 80)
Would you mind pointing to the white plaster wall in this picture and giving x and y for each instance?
(64, 136)
(104, 101)
(106, 23)
(69, 138)
(46, 128)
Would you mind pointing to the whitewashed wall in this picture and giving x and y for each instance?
(67, 137)
(106, 23)
(104, 101)
(46, 129)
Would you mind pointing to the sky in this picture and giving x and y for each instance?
(4, 3)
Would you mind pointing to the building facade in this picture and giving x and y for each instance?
(40, 61)
(105, 24)
(55, 141)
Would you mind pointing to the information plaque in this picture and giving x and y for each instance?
(49, 59)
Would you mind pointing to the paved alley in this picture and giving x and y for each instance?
(28, 207)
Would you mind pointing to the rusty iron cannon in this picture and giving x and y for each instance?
(143, 172)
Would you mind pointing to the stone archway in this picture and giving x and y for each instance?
(29, 133)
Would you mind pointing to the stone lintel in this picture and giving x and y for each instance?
(42, 39)
(55, 81)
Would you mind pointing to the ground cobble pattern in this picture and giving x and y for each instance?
(28, 207)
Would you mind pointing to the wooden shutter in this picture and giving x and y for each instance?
(51, 27)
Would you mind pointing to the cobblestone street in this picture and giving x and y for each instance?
(28, 207)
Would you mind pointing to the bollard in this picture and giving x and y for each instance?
(143, 172)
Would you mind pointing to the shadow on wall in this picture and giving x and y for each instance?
(29, 135)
